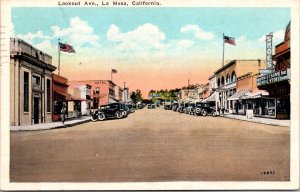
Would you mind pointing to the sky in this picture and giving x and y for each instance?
(151, 48)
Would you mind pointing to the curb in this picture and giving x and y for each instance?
(274, 124)
(56, 127)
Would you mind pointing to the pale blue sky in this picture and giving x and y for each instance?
(235, 22)
(146, 44)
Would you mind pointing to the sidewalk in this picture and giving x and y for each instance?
(52, 125)
(267, 121)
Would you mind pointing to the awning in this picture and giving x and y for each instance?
(210, 98)
(254, 95)
(63, 94)
(238, 95)
(74, 98)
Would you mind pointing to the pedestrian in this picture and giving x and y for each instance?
(223, 110)
(63, 113)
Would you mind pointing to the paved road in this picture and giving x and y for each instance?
(153, 145)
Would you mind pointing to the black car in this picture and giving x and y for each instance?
(180, 107)
(112, 110)
(209, 108)
(168, 105)
(151, 106)
(175, 106)
(190, 109)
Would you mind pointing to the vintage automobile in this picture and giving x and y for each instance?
(185, 108)
(191, 109)
(112, 110)
(209, 108)
(130, 108)
(167, 105)
(180, 108)
(175, 106)
(151, 106)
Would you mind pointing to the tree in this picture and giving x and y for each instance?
(136, 96)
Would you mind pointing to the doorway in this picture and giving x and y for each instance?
(36, 112)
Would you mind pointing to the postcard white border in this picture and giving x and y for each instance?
(258, 185)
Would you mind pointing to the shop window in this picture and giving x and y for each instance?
(57, 106)
(26, 92)
(271, 103)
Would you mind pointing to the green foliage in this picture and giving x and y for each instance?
(136, 96)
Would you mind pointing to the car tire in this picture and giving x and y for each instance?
(204, 113)
(101, 116)
(94, 117)
(119, 114)
(214, 114)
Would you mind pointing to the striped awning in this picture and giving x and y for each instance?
(238, 95)
(254, 95)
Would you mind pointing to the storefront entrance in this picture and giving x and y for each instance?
(36, 111)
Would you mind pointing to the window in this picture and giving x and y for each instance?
(48, 95)
(97, 90)
(26, 92)
(228, 79)
(233, 77)
(222, 81)
(35, 80)
(218, 82)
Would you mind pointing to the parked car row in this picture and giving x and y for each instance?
(112, 110)
(194, 108)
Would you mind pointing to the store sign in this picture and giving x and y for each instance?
(269, 51)
(273, 77)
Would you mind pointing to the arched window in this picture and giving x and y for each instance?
(218, 82)
(228, 79)
(222, 81)
(233, 77)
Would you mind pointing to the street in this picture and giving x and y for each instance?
(153, 145)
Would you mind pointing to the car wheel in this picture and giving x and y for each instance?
(204, 113)
(119, 114)
(94, 117)
(101, 116)
(214, 114)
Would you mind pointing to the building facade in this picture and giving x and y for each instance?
(30, 84)
(226, 80)
(102, 92)
(60, 95)
(84, 93)
(277, 82)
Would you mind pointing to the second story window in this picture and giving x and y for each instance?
(35, 80)
(97, 90)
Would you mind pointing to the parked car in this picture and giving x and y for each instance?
(167, 105)
(175, 106)
(140, 106)
(151, 106)
(112, 110)
(180, 108)
(209, 108)
(130, 108)
(191, 108)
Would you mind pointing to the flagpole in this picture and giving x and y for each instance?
(58, 57)
(223, 51)
(111, 75)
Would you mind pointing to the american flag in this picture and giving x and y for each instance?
(229, 40)
(113, 71)
(66, 48)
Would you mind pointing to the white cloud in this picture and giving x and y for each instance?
(144, 37)
(278, 37)
(30, 37)
(78, 33)
(45, 46)
(198, 32)
(185, 44)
